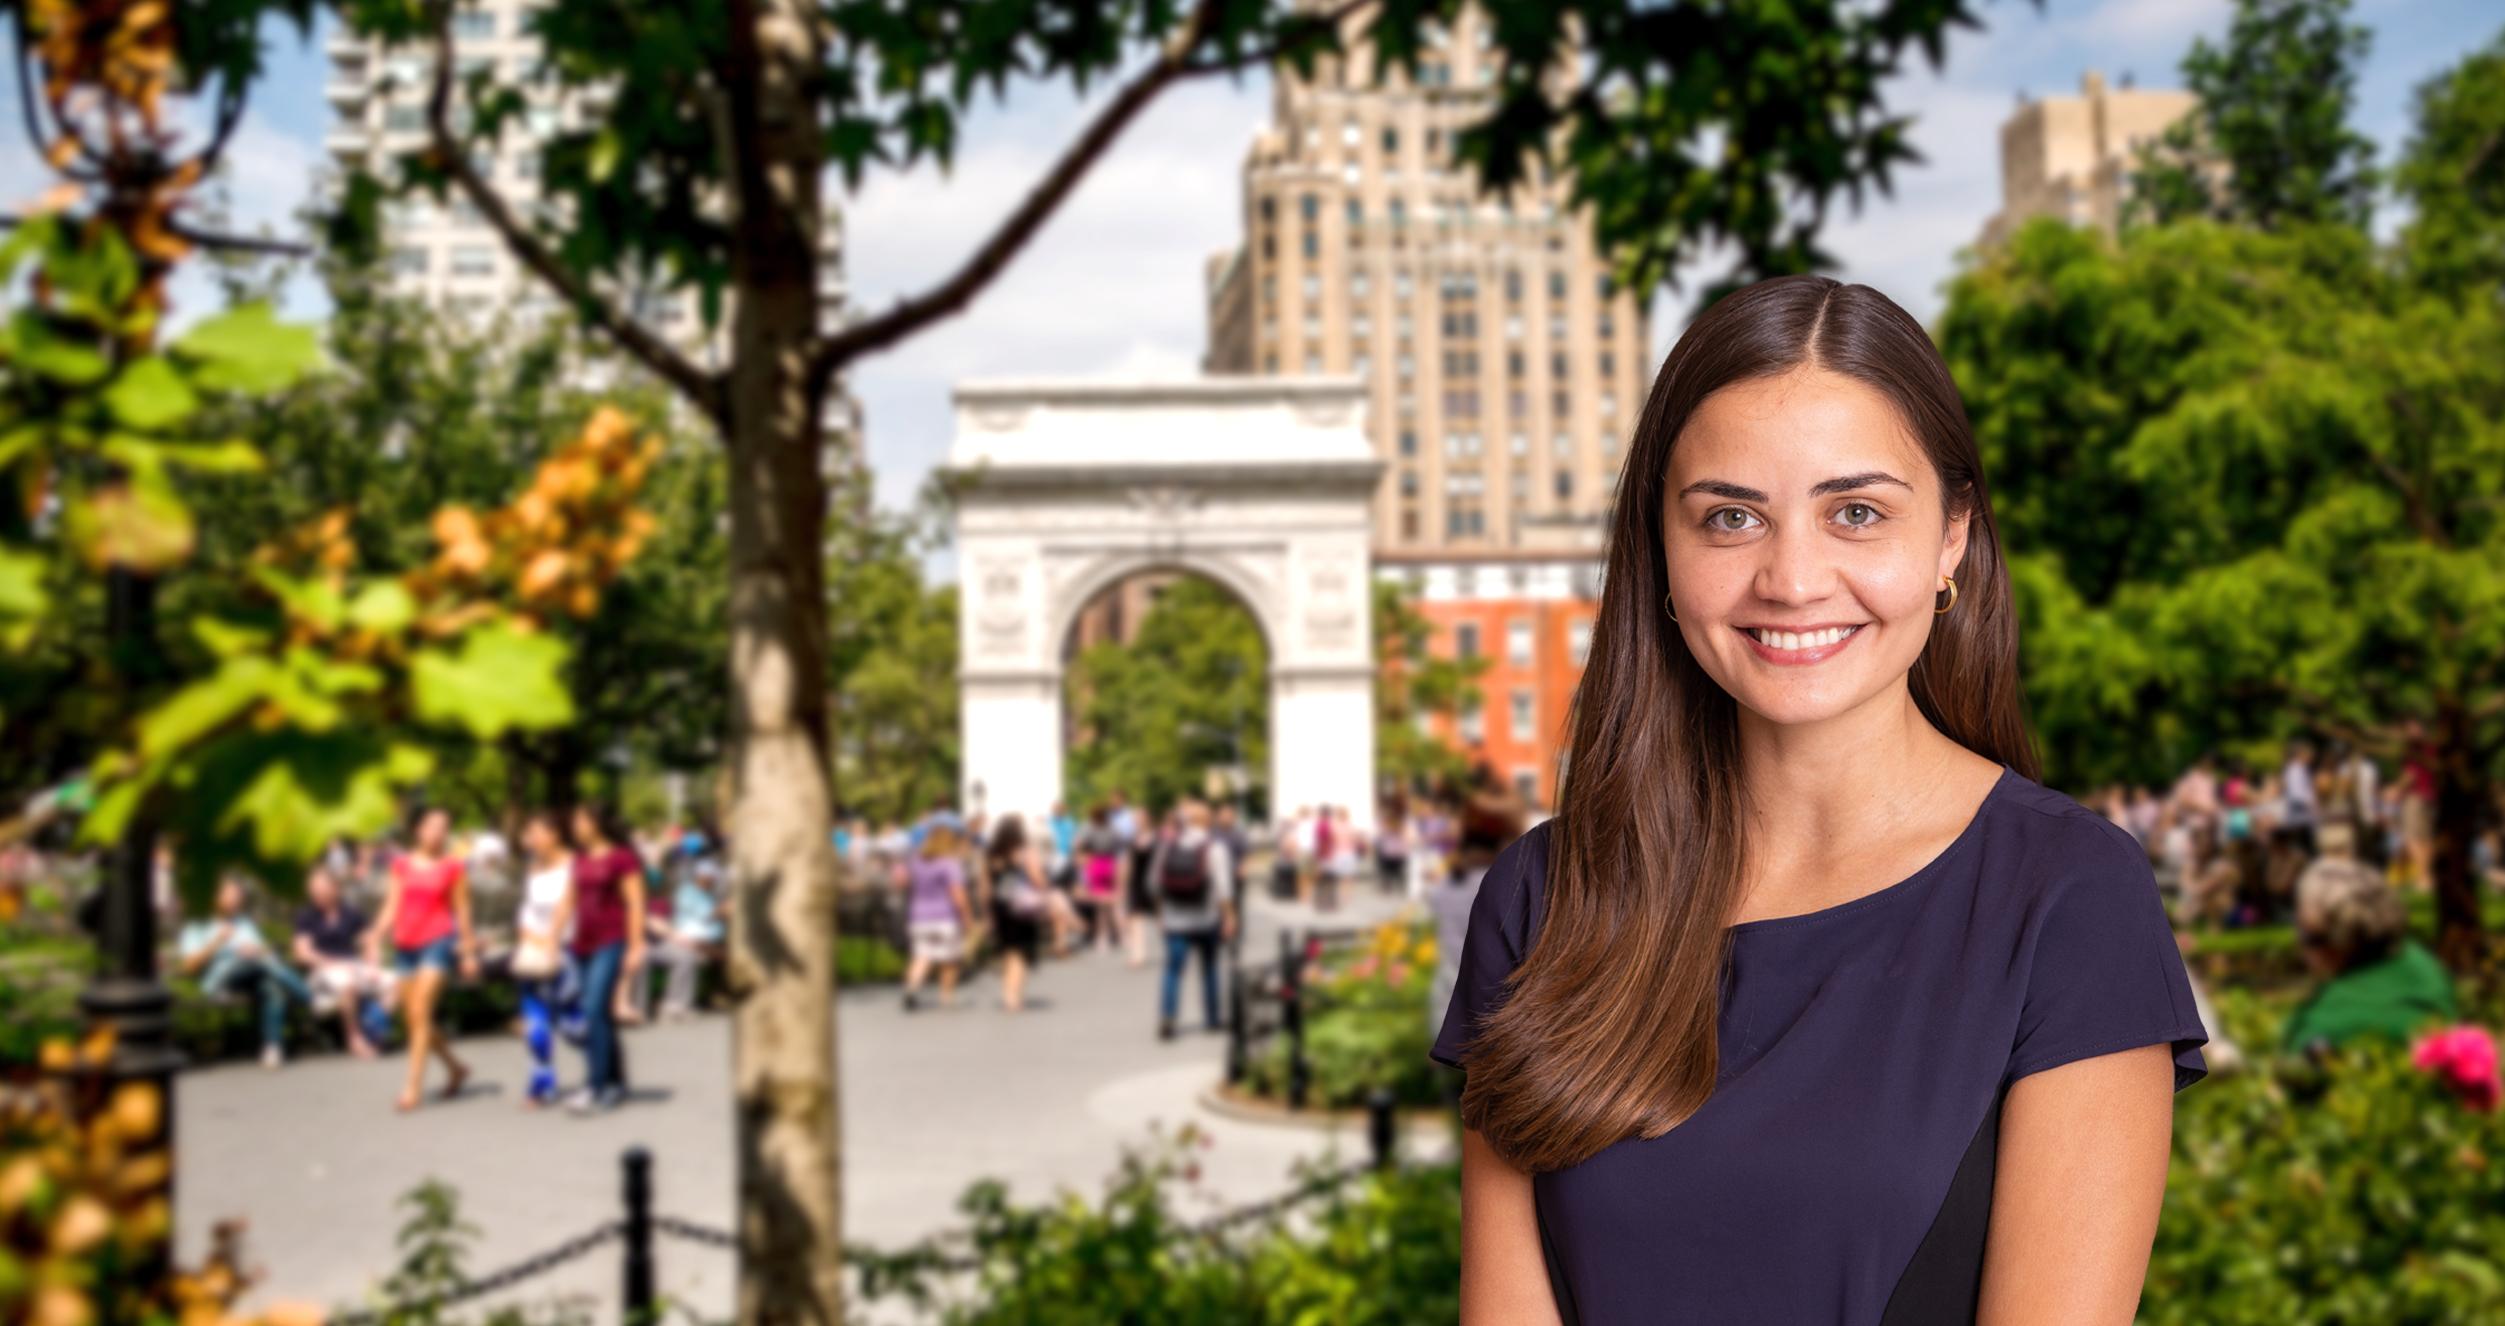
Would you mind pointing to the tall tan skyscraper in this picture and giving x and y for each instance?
(1504, 370)
(2072, 157)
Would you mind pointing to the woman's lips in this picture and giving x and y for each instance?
(1803, 656)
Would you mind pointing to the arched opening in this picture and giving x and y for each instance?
(1166, 683)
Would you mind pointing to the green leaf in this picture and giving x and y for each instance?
(227, 639)
(203, 706)
(22, 597)
(232, 456)
(150, 396)
(383, 607)
(42, 351)
(248, 350)
(602, 162)
(312, 600)
(499, 679)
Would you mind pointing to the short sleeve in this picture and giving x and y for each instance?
(2103, 972)
(1493, 944)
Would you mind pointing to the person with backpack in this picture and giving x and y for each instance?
(1193, 877)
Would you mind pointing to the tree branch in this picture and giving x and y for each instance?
(2412, 498)
(1298, 29)
(704, 389)
(204, 239)
(987, 262)
(34, 120)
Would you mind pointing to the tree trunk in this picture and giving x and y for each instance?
(2461, 935)
(782, 932)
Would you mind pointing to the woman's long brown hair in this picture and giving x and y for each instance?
(1608, 1029)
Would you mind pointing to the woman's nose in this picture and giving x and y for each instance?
(1796, 568)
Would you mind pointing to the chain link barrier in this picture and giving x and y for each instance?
(527, 1269)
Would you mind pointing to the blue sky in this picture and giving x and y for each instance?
(1112, 285)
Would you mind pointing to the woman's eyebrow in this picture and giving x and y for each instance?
(1845, 484)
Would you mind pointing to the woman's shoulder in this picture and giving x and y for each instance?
(1512, 895)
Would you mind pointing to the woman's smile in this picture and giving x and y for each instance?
(1798, 648)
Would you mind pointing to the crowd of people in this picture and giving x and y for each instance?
(580, 922)
(2323, 840)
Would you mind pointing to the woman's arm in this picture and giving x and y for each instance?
(1504, 1277)
(465, 937)
(633, 889)
(373, 937)
(2076, 1187)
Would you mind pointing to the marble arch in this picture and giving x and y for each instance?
(1262, 485)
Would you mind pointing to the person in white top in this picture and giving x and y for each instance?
(541, 927)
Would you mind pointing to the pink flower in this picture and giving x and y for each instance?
(2465, 1058)
(1398, 974)
(1364, 969)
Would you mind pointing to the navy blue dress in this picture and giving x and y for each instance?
(1841, 1172)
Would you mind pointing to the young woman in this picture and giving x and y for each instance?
(539, 958)
(1020, 907)
(937, 914)
(608, 946)
(426, 915)
(1811, 1004)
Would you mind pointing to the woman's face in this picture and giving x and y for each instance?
(586, 827)
(1805, 542)
(432, 828)
(539, 836)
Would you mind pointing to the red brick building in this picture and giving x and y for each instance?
(1529, 613)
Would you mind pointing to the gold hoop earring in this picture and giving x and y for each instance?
(1665, 606)
(1952, 597)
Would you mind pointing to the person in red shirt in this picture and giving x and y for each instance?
(609, 944)
(426, 915)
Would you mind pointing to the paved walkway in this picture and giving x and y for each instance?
(315, 1159)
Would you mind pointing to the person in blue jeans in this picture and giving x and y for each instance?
(227, 950)
(1192, 878)
(545, 974)
(608, 944)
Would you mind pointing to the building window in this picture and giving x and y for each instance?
(1520, 444)
(1513, 283)
(1609, 403)
(408, 262)
(1391, 140)
(1579, 642)
(1408, 442)
(1473, 728)
(473, 260)
(1359, 365)
(1557, 365)
(1360, 327)
(1313, 245)
(1522, 724)
(1518, 643)
(1565, 485)
(1349, 135)
(1356, 213)
(1400, 280)
(1269, 246)
(1409, 483)
(1466, 640)
(1526, 785)
(1400, 217)
(1556, 285)
(1513, 327)
(1269, 208)
(1562, 446)
(1608, 364)
(1313, 287)
(1358, 285)
(1513, 363)
(1313, 363)
(401, 117)
(1558, 403)
(474, 25)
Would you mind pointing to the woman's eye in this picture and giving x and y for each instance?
(1729, 519)
(1869, 515)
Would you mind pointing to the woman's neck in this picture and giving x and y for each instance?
(1850, 778)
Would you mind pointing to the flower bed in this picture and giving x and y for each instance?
(1365, 1025)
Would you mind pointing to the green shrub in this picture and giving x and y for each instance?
(1369, 1250)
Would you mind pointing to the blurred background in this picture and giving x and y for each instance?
(809, 661)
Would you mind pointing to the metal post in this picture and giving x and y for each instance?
(1235, 1055)
(1292, 1016)
(1382, 1126)
(125, 994)
(638, 1287)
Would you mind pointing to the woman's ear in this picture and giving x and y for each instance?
(1953, 548)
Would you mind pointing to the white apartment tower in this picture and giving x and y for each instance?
(449, 257)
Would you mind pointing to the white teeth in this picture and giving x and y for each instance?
(1792, 640)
